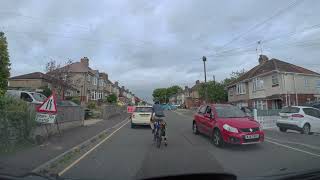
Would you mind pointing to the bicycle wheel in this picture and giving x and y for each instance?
(159, 140)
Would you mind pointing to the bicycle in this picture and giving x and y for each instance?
(160, 131)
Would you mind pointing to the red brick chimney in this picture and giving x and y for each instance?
(85, 61)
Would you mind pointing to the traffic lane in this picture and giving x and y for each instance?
(294, 137)
(131, 154)
(254, 160)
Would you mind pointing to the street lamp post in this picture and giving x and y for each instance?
(204, 59)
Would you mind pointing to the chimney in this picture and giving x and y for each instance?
(107, 76)
(263, 59)
(122, 87)
(85, 61)
(197, 82)
(116, 83)
(186, 88)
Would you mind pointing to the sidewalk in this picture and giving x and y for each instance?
(25, 161)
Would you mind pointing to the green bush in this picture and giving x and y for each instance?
(17, 121)
(46, 91)
(112, 98)
(92, 105)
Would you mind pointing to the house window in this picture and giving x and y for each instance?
(318, 83)
(306, 82)
(101, 83)
(241, 88)
(95, 80)
(275, 80)
(64, 77)
(92, 95)
(258, 84)
(89, 78)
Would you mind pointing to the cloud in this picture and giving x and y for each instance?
(148, 44)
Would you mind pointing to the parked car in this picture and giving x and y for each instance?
(225, 123)
(32, 97)
(141, 116)
(300, 118)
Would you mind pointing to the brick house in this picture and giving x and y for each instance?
(37, 80)
(104, 88)
(83, 77)
(273, 84)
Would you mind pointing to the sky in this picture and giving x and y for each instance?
(147, 44)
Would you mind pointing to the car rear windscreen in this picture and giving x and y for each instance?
(143, 109)
(290, 110)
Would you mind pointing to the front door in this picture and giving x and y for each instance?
(207, 121)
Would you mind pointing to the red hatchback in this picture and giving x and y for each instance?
(225, 123)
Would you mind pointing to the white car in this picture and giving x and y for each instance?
(141, 116)
(300, 118)
(32, 97)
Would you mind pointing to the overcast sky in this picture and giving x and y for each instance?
(147, 44)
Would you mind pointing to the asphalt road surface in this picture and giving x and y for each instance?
(131, 154)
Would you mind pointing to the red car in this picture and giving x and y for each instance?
(225, 123)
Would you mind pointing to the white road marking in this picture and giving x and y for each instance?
(74, 147)
(292, 142)
(292, 148)
(88, 152)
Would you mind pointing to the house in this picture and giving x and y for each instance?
(273, 84)
(173, 99)
(37, 80)
(104, 88)
(194, 95)
(83, 77)
(116, 89)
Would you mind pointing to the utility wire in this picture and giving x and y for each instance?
(278, 13)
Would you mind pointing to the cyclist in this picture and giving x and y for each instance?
(157, 115)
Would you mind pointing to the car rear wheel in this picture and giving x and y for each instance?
(306, 129)
(283, 129)
(195, 128)
(217, 138)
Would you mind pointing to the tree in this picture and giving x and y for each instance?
(60, 72)
(216, 92)
(4, 64)
(233, 76)
(163, 94)
(112, 98)
(46, 91)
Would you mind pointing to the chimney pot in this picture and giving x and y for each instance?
(263, 59)
(197, 82)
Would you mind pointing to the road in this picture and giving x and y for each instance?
(131, 154)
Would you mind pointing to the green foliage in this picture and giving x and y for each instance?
(112, 98)
(216, 92)
(46, 91)
(17, 120)
(4, 64)
(163, 94)
(92, 105)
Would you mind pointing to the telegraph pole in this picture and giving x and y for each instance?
(204, 59)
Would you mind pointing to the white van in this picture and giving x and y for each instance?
(32, 97)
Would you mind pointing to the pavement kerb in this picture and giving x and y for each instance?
(45, 168)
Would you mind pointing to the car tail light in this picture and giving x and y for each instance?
(297, 116)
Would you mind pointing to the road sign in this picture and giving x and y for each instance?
(49, 105)
(130, 109)
(45, 118)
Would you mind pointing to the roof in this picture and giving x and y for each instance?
(40, 75)
(34, 75)
(272, 65)
(77, 67)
